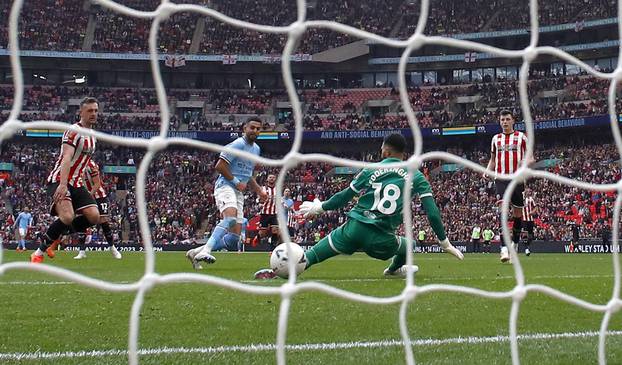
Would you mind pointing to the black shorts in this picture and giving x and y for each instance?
(517, 195)
(267, 220)
(486, 242)
(80, 198)
(103, 204)
(528, 226)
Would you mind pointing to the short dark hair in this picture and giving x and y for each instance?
(88, 100)
(253, 119)
(506, 112)
(396, 141)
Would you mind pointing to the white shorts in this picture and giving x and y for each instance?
(88, 239)
(228, 197)
(22, 232)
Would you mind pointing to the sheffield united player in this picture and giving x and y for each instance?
(507, 150)
(93, 183)
(267, 220)
(528, 212)
(72, 203)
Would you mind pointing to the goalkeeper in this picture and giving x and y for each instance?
(378, 213)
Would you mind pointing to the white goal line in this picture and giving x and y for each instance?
(300, 347)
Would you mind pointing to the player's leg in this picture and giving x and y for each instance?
(65, 212)
(103, 207)
(342, 240)
(530, 236)
(227, 202)
(517, 213)
(399, 245)
(82, 242)
(21, 244)
(264, 226)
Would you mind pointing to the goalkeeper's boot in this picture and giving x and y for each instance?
(190, 254)
(505, 255)
(115, 253)
(527, 252)
(81, 255)
(36, 259)
(265, 274)
(401, 272)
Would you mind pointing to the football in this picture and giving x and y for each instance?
(280, 258)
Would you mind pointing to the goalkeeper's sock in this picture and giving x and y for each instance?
(398, 261)
(320, 252)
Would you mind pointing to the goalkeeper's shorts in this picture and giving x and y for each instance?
(353, 236)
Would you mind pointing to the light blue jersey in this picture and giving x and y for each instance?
(240, 168)
(24, 220)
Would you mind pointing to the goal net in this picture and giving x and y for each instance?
(292, 287)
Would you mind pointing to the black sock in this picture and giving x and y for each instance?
(54, 231)
(107, 233)
(80, 224)
(82, 241)
(516, 229)
(529, 239)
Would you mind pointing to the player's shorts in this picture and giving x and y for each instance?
(103, 204)
(486, 242)
(228, 197)
(80, 198)
(267, 220)
(22, 232)
(528, 226)
(517, 195)
(354, 235)
(475, 240)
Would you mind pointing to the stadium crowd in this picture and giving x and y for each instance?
(435, 105)
(47, 25)
(180, 203)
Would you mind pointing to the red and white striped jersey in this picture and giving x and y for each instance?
(269, 206)
(528, 209)
(84, 148)
(509, 150)
(90, 172)
(291, 220)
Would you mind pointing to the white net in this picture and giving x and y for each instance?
(294, 32)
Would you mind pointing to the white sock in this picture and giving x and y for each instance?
(38, 252)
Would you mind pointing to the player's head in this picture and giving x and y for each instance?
(506, 119)
(252, 127)
(26, 209)
(287, 192)
(271, 179)
(89, 108)
(393, 146)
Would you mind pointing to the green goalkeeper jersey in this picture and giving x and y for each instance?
(381, 194)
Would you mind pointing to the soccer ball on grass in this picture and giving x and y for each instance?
(280, 258)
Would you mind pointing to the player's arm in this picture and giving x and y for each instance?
(222, 166)
(493, 158)
(423, 189)
(67, 151)
(339, 200)
(358, 184)
(257, 189)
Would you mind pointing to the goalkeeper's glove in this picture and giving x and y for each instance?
(449, 248)
(310, 209)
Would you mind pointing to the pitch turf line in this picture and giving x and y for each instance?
(433, 279)
(298, 347)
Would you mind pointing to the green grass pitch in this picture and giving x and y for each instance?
(48, 314)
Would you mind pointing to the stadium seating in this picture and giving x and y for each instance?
(47, 25)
